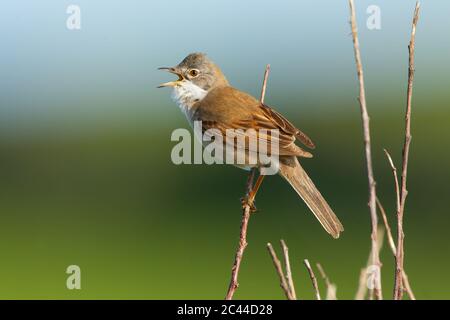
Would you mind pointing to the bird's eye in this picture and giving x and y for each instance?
(193, 73)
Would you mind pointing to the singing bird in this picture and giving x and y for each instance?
(203, 94)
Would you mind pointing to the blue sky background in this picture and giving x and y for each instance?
(108, 68)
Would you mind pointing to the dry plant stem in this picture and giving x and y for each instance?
(406, 283)
(276, 262)
(287, 264)
(407, 286)
(388, 228)
(264, 85)
(397, 186)
(246, 211)
(239, 253)
(313, 279)
(363, 278)
(331, 288)
(323, 274)
(367, 149)
(398, 288)
(362, 287)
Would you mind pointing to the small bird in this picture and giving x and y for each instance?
(203, 94)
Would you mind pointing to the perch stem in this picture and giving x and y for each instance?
(246, 211)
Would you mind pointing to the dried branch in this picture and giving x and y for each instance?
(364, 274)
(313, 278)
(406, 283)
(331, 287)
(264, 85)
(287, 264)
(388, 227)
(362, 286)
(397, 186)
(246, 211)
(239, 253)
(367, 148)
(331, 292)
(408, 286)
(398, 288)
(276, 262)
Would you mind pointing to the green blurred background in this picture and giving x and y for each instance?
(86, 176)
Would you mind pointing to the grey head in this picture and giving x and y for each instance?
(198, 69)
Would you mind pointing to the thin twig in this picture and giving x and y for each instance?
(331, 292)
(388, 227)
(246, 211)
(406, 283)
(398, 288)
(368, 151)
(264, 85)
(239, 253)
(276, 262)
(287, 264)
(331, 287)
(394, 172)
(407, 286)
(313, 278)
(362, 287)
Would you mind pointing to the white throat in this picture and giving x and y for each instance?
(186, 94)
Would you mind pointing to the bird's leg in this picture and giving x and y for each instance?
(250, 198)
(250, 179)
(249, 187)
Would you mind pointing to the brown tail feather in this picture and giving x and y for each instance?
(293, 172)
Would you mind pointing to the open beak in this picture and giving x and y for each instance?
(171, 83)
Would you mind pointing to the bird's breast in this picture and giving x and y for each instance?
(186, 95)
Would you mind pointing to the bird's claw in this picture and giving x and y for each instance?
(247, 201)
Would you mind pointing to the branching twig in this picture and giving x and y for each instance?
(276, 262)
(313, 278)
(246, 211)
(406, 283)
(287, 264)
(397, 186)
(398, 289)
(331, 287)
(368, 151)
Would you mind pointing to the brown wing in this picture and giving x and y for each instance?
(286, 145)
(287, 126)
(228, 108)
